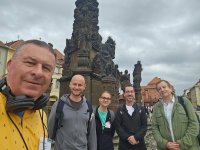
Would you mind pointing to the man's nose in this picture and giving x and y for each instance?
(76, 86)
(161, 89)
(38, 70)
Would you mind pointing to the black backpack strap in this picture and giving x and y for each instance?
(112, 116)
(58, 118)
(90, 110)
(120, 108)
(181, 101)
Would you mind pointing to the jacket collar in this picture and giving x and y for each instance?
(108, 118)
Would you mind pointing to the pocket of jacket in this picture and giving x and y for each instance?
(159, 119)
(182, 116)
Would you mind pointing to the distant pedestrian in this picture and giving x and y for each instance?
(146, 110)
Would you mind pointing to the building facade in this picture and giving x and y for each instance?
(5, 54)
(55, 87)
(194, 94)
(149, 93)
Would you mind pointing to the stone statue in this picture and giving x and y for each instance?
(136, 81)
(97, 66)
(124, 79)
(104, 59)
(137, 75)
(68, 50)
(125, 76)
(116, 72)
(110, 46)
(85, 28)
(86, 54)
(96, 42)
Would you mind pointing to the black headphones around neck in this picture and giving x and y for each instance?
(21, 103)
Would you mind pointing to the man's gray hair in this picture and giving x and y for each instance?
(34, 42)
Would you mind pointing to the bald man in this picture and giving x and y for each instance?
(77, 130)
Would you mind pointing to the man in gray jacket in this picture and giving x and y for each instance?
(77, 130)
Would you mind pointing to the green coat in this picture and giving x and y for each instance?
(185, 128)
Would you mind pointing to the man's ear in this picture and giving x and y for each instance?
(9, 65)
(85, 87)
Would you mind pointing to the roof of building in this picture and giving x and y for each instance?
(15, 44)
(59, 57)
(1, 43)
(154, 81)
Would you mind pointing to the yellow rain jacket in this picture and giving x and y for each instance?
(30, 127)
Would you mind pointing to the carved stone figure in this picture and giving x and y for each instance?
(110, 46)
(137, 75)
(105, 59)
(125, 76)
(85, 28)
(97, 66)
(116, 72)
(96, 42)
(136, 81)
(68, 50)
(124, 79)
(86, 54)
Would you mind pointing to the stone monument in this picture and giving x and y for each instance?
(86, 54)
(137, 80)
(124, 79)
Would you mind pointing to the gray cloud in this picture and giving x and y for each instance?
(164, 35)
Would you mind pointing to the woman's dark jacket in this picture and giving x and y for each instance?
(105, 136)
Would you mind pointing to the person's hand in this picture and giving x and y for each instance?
(131, 140)
(173, 146)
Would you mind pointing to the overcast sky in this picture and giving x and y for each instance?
(164, 35)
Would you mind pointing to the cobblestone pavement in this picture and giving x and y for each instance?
(149, 140)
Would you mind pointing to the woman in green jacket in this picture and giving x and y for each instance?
(172, 128)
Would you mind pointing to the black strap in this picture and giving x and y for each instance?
(181, 101)
(90, 110)
(112, 116)
(58, 118)
(139, 107)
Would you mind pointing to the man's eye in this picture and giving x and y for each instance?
(29, 62)
(47, 69)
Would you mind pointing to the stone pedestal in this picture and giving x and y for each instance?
(110, 84)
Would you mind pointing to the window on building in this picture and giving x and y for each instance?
(58, 70)
(57, 84)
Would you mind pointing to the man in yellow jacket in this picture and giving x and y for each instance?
(22, 124)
